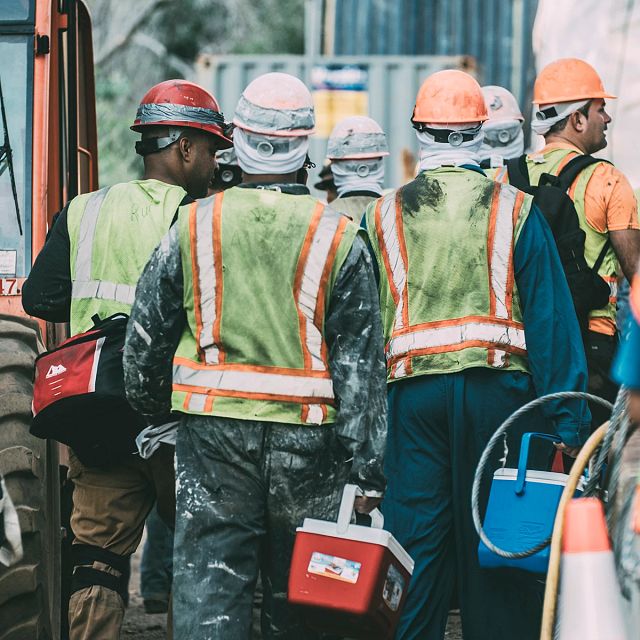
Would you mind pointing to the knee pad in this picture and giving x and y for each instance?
(85, 576)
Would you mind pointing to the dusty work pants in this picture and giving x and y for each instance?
(438, 428)
(109, 511)
(242, 489)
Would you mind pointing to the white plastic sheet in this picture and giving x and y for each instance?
(605, 33)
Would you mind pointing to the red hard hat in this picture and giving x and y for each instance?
(179, 103)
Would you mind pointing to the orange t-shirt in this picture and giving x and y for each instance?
(609, 205)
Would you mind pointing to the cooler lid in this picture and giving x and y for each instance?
(544, 477)
(358, 533)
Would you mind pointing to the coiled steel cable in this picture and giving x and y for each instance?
(500, 431)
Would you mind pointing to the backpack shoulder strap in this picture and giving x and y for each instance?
(600, 259)
(576, 165)
(518, 173)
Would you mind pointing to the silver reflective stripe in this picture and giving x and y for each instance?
(391, 241)
(207, 284)
(197, 402)
(311, 282)
(163, 112)
(94, 366)
(87, 232)
(252, 381)
(454, 335)
(501, 250)
(315, 414)
(103, 290)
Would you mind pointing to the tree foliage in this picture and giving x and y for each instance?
(137, 44)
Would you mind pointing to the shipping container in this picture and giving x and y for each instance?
(497, 33)
(383, 87)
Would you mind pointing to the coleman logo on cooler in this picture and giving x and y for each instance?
(55, 370)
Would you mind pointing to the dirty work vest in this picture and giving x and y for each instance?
(444, 243)
(553, 163)
(113, 233)
(353, 207)
(259, 267)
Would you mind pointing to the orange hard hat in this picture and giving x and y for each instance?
(450, 97)
(568, 80)
(179, 103)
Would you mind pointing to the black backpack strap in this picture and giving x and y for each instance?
(600, 259)
(186, 200)
(518, 173)
(571, 170)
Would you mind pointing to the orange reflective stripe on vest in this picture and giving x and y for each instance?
(496, 332)
(310, 386)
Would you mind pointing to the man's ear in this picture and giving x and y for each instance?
(186, 148)
(578, 121)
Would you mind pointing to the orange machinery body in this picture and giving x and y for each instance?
(64, 126)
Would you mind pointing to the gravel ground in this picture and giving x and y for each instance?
(142, 626)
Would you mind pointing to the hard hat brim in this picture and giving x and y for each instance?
(560, 99)
(359, 156)
(224, 142)
(292, 133)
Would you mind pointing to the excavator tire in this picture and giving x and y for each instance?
(30, 589)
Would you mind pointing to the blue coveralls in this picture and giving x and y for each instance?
(438, 428)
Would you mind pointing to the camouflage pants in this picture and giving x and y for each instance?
(242, 489)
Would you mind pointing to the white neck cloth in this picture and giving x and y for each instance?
(541, 124)
(260, 154)
(358, 175)
(493, 146)
(438, 154)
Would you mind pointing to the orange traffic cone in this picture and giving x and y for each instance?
(590, 601)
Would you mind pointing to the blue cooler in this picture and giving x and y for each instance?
(521, 512)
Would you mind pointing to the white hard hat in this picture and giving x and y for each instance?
(276, 104)
(357, 138)
(501, 104)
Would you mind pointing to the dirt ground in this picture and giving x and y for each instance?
(142, 626)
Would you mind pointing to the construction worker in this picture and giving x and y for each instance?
(90, 265)
(478, 320)
(569, 100)
(503, 134)
(356, 148)
(278, 370)
(326, 183)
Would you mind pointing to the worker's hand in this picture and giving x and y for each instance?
(572, 452)
(633, 406)
(364, 504)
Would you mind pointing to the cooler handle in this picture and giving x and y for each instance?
(351, 491)
(524, 456)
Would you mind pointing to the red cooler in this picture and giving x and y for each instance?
(350, 580)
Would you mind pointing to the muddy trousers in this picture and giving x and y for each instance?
(242, 489)
(438, 428)
(109, 511)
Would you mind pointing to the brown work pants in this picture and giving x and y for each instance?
(109, 511)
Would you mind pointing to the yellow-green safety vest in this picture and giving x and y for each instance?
(259, 268)
(444, 244)
(113, 233)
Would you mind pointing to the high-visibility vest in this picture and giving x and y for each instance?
(553, 163)
(113, 233)
(353, 207)
(259, 268)
(444, 244)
